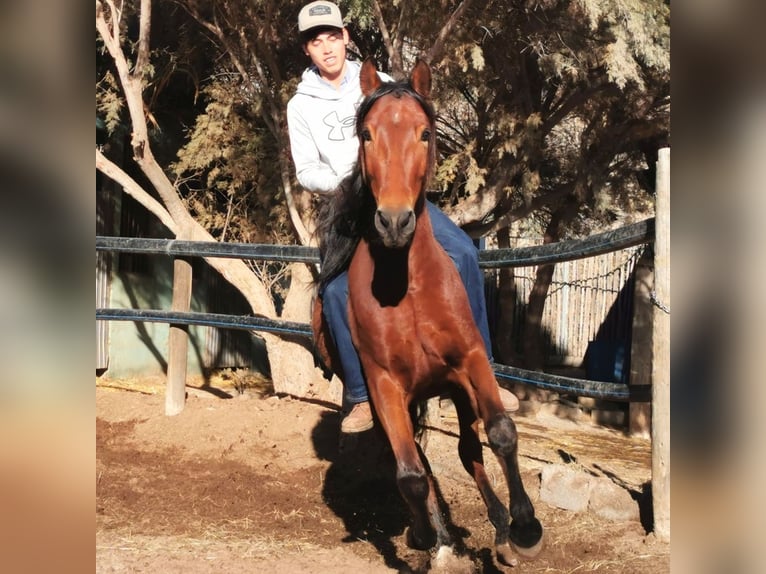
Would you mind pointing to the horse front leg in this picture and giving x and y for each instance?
(525, 531)
(472, 457)
(428, 528)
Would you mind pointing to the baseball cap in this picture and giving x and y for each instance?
(319, 13)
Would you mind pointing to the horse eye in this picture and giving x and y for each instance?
(425, 136)
(366, 135)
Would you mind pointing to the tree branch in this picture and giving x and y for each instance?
(435, 53)
(397, 68)
(133, 89)
(271, 113)
(233, 270)
(144, 29)
(525, 210)
(133, 189)
(295, 217)
(109, 34)
(478, 206)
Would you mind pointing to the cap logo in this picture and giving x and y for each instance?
(319, 14)
(319, 10)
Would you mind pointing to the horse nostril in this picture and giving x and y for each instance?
(383, 219)
(404, 220)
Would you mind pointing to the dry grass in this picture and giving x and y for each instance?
(233, 381)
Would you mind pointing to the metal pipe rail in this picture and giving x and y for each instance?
(606, 242)
(617, 392)
(629, 236)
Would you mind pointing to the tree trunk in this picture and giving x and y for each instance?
(290, 366)
(292, 363)
(640, 413)
(504, 340)
(534, 339)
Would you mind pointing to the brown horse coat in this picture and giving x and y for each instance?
(411, 321)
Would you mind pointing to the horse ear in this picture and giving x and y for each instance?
(420, 79)
(368, 77)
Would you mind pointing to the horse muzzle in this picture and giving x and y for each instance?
(395, 226)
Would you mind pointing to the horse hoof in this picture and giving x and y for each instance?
(505, 555)
(527, 541)
(419, 542)
(530, 552)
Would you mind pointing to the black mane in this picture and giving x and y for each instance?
(345, 216)
(343, 219)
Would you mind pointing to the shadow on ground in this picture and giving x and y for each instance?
(360, 488)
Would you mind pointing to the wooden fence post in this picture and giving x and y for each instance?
(661, 345)
(178, 339)
(640, 413)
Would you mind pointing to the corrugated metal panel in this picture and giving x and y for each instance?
(226, 348)
(105, 205)
(102, 300)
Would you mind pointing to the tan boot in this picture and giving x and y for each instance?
(510, 402)
(358, 420)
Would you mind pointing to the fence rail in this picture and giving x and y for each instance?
(629, 236)
(636, 234)
(582, 387)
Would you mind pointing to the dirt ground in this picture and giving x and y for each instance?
(256, 483)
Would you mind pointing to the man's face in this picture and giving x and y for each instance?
(327, 51)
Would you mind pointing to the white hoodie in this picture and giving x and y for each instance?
(321, 123)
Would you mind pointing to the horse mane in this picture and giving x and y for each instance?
(345, 216)
(342, 220)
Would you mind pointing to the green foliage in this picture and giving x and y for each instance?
(557, 101)
(109, 102)
(358, 13)
(640, 35)
(461, 167)
(541, 102)
(225, 172)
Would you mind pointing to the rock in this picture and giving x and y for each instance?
(612, 502)
(572, 489)
(565, 487)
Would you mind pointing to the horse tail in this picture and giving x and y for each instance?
(341, 222)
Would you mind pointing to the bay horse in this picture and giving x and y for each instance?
(409, 314)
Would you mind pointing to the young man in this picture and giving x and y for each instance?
(321, 117)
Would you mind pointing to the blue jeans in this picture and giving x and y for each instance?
(335, 302)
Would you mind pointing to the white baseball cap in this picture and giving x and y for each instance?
(319, 13)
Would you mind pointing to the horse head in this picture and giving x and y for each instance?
(397, 149)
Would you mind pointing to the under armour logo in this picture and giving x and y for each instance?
(337, 126)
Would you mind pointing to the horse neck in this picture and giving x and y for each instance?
(423, 238)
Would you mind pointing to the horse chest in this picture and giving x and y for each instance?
(418, 335)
